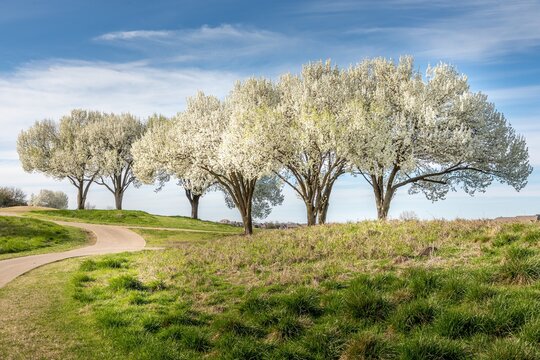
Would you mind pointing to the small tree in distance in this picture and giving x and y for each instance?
(50, 199)
(267, 194)
(111, 152)
(152, 165)
(62, 150)
(10, 196)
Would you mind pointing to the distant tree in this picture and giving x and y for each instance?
(153, 166)
(111, 152)
(50, 199)
(62, 150)
(267, 194)
(10, 196)
(408, 216)
(434, 134)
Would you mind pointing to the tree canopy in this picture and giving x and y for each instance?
(382, 120)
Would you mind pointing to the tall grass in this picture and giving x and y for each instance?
(329, 292)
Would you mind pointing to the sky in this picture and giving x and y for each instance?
(146, 57)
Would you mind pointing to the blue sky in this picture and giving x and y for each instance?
(147, 56)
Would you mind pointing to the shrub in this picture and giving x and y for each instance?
(408, 216)
(50, 199)
(10, 196)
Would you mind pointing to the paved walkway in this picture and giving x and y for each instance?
(110, 239)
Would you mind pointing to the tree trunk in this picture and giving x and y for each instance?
(311, 214)
(248, 223)
(118, 198)
(322, 213)
(194, 201)
(383, 204)
(81, 199)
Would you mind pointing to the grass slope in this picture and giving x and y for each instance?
(177, 238)
(23, 236)
(134, 218)
(351, 291)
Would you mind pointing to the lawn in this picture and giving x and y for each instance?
(177, 238)
(133, 218)
(396, 290)
(24, 236)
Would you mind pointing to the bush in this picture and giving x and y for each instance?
(10, 196)
(408, 216)
(50, 199)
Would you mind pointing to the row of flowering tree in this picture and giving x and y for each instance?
(380, 120)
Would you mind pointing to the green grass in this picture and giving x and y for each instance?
(329, 292)
(177, 238)
(134, 218)
(23, 236)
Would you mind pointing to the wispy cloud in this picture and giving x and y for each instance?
(205, 44)
(133, 35)
(512, 95)
(458, 30)
(48, 90)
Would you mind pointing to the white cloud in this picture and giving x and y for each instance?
(50, 90)
(473, 30)
(205, 44)
(131, 35)
(512, 95)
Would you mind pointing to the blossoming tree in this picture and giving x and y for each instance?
(113, 137)
(154, 165)
(62, 150)
(433, 134)
(307, 133)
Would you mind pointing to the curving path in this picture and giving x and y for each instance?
(110, 239)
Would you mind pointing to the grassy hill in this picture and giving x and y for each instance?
(134, 218)
(23, 236)
(395, 290)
